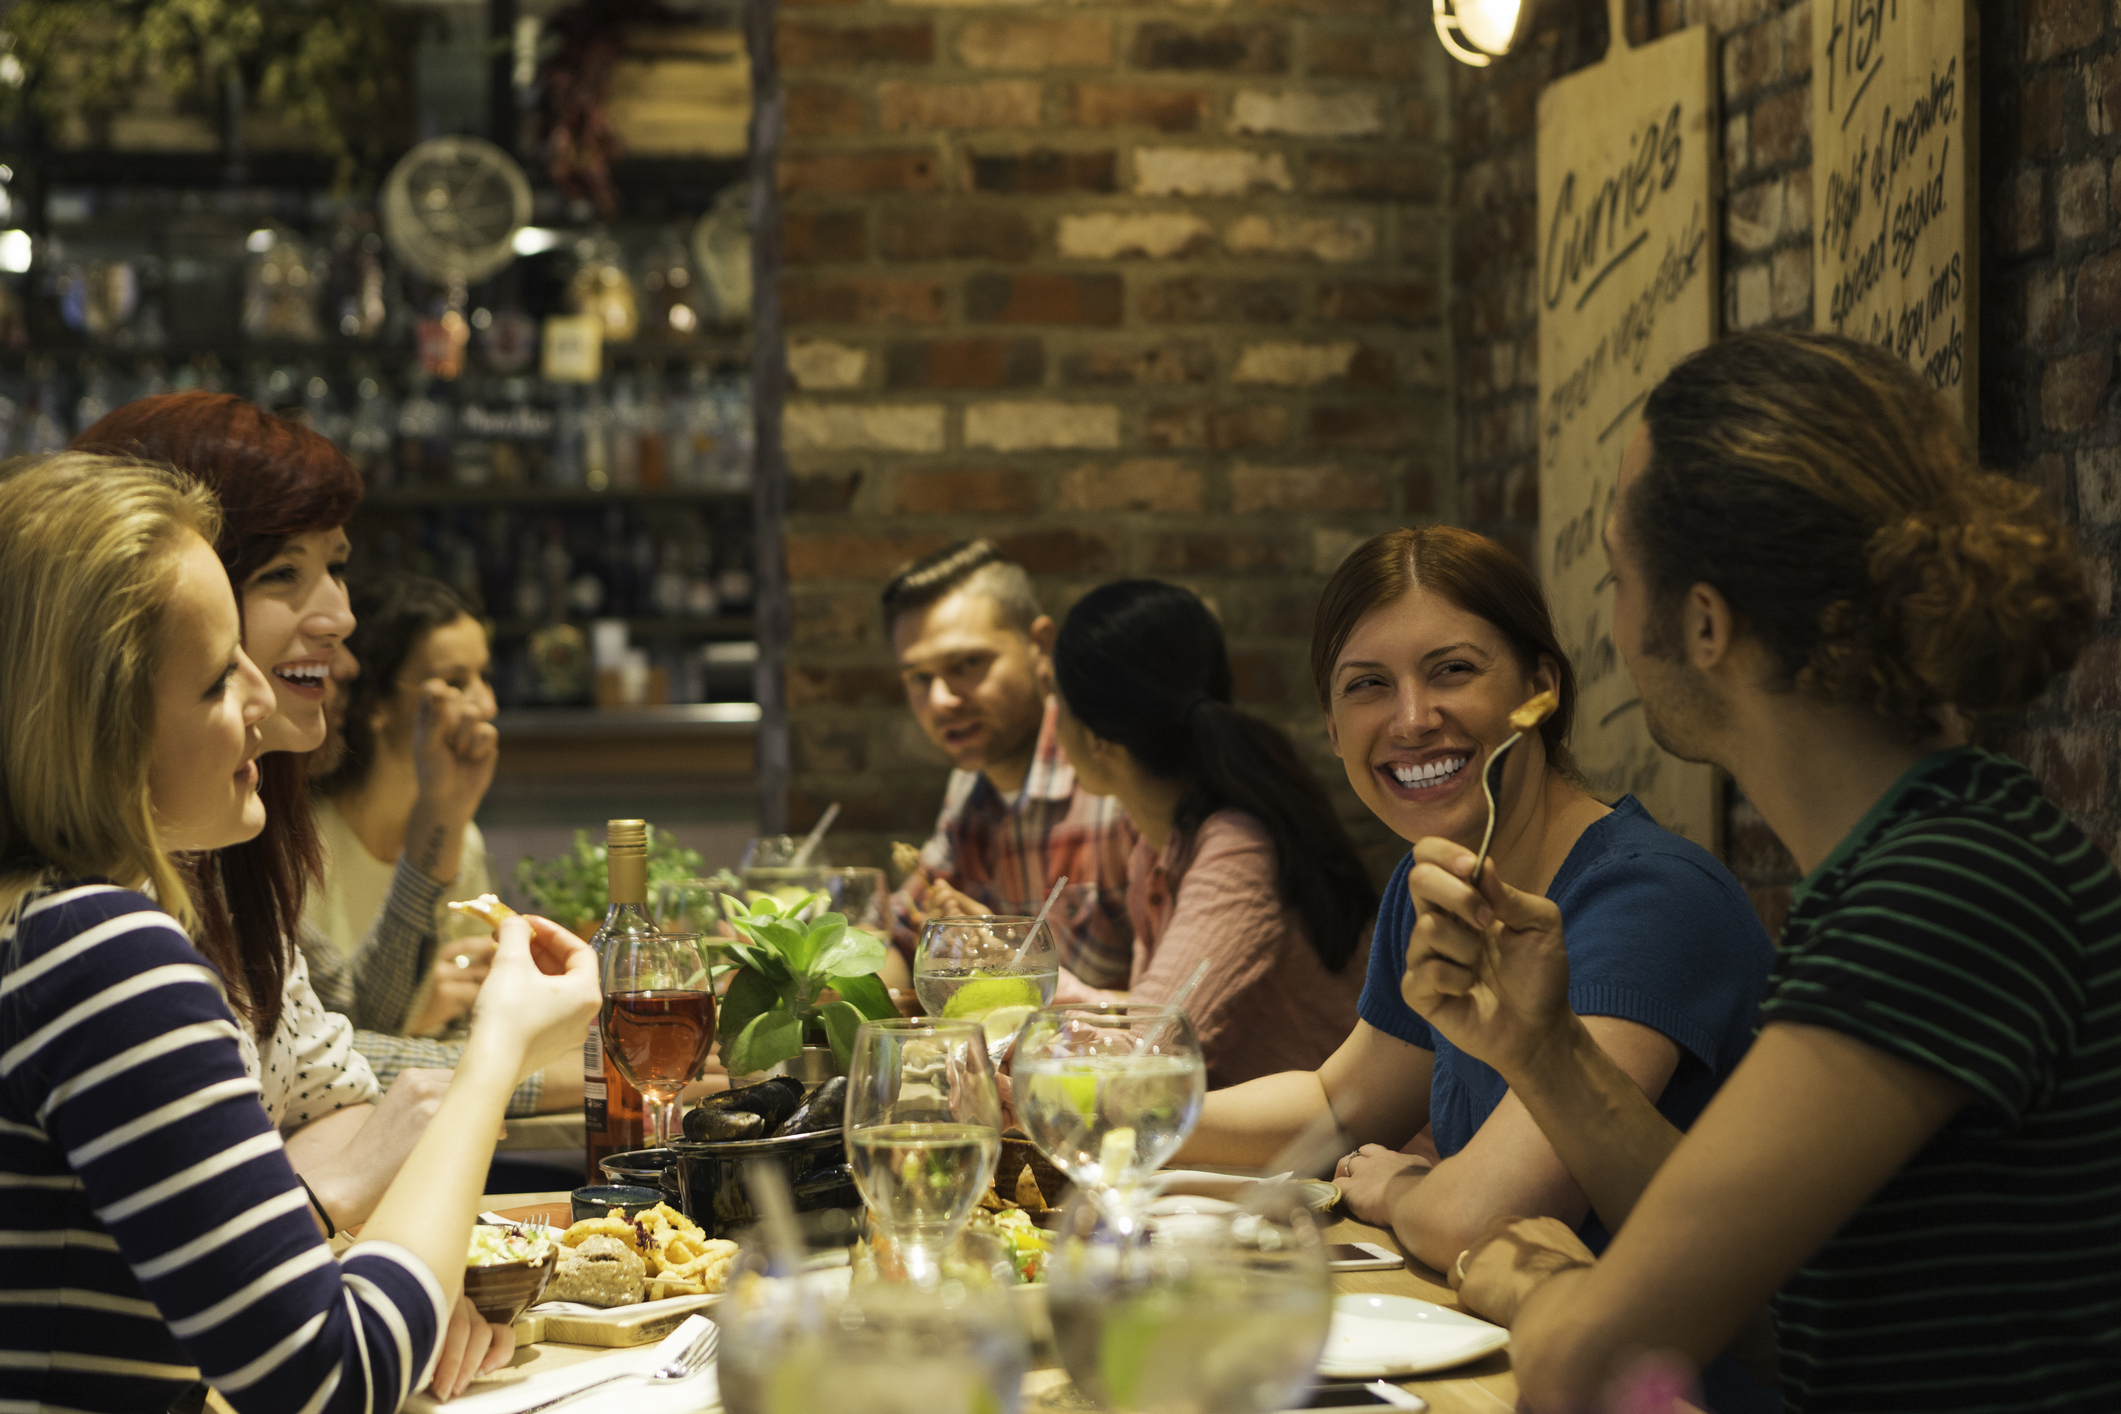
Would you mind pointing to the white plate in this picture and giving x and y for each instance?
(1390, 1336)
(1319, 1196)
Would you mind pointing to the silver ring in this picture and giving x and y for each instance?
(1460, 1265)
(463, 959)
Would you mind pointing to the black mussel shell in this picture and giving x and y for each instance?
(705, 1125)
(772, 1101)
(823, 1110)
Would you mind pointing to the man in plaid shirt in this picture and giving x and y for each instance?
(972, 648)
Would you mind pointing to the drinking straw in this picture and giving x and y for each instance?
(1025, 946)
(769, 1190)
(817, 832)
(1176, 1002)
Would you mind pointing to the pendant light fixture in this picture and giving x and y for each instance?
(1475, 31)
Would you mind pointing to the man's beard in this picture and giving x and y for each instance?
(1679, 709)
(1681, 713)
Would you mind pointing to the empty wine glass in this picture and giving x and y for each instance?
(658, 1018)
(990, 969)
(1191, 1313)
(923, 1130)
(1108, 1091)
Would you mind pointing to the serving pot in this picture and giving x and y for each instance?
(705, 1181)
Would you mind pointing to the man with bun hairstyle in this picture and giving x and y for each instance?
(1905, 1197)
(974, 651)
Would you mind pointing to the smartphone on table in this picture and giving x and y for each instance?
(1362, 1257)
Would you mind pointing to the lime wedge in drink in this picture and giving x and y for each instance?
(1003, 1021)
(1116, 1153)
(985, 994)
(1130, 1339)
(1078, 1092)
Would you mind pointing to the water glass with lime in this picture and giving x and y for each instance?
(1191, 1312)
(992, 969)
(836, 1335)
(1109, 1091)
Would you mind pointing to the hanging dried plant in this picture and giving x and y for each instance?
(581, 143)
(332, 69)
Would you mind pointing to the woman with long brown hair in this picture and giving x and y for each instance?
(157, 1236)
(1425, 640)
(287, 494)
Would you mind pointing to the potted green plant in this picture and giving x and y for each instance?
(572, 890)
(796, 981)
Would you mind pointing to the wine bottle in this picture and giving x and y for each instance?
(611, 1109)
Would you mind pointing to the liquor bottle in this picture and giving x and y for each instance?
(625, 434)
(651, 426)
(611, 1108)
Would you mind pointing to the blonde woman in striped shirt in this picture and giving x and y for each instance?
(156, 1235)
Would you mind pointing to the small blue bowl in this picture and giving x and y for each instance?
(606, 1200)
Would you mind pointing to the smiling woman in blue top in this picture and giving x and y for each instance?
(156, 1235)
(1425, 641)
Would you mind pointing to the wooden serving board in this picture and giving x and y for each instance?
(640, 1324)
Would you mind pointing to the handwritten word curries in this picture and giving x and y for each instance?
(1579, 243)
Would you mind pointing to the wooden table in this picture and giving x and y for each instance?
(1484, 1387)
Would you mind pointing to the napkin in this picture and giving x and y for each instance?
(637, 1396)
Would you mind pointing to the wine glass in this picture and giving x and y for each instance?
(1191, 1313)
(658, 1018)
(1108, 1091)
(991, 969)
(923, 1131)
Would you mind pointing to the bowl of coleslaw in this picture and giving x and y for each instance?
(506, 1270)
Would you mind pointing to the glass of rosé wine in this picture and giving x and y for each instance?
(658, 1019)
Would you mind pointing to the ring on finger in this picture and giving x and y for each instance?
(463, 959)
(1460, 1265)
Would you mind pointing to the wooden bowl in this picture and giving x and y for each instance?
(506, 1290)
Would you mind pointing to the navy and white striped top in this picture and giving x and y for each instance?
(151, 1231)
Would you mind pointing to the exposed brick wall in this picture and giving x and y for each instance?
(2050, 312)
(2050, 138)
(1131, 289)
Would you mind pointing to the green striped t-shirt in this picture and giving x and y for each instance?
(1968, 927)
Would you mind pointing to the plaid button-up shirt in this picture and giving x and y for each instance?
(1007, 853)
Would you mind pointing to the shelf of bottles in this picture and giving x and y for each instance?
(602, 524)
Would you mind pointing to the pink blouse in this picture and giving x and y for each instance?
(1268, 1004)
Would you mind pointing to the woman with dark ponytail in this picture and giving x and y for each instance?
(1241, 858)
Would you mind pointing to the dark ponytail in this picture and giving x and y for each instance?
(1142, 663)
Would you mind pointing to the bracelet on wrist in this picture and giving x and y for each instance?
(331, 1229)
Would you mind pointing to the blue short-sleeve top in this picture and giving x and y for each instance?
(1659, 933)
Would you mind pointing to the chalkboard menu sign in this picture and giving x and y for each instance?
(1629, 188)
(1894, 182)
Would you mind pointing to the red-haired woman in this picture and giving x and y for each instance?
(287, 494)
(1425, 639)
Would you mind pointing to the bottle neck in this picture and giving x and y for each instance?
(628, 877)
